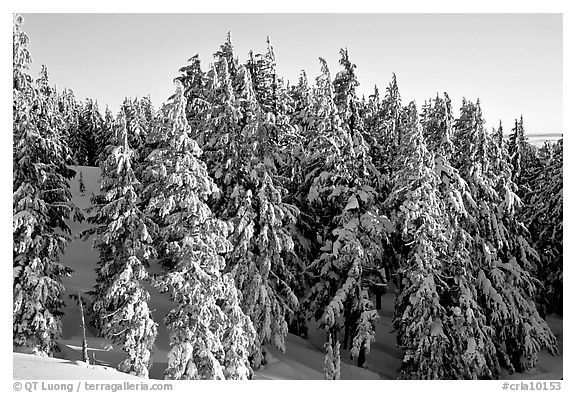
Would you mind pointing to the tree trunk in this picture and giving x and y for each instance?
(85, 357)
(346, 323)
(362, 356)
(346, 336)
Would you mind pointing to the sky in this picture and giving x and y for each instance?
(511, 62)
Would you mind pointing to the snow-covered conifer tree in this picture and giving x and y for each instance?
(41, 204)
(89, 127)
(498, 136)
(226, 53)
(517, 144)
(70, 110)
(241, 153)
(544, 218)
(383, 131)
(120, 302)
(275, 104)
(262, 70)
(340, 204)
(474, 351)
(371, 117)
(106, 137)
(139, 115)
(505, 281)
(209, 334)
(345, 98)
(195, 83)
(301, 95)
(81, 185)
(415, 208)
(392, 106)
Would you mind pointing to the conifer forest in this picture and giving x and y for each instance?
(264, 212)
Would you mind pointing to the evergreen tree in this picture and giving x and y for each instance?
(276, 104)
(70, 110)
(195, 83)
(120, 302)
(517, 142)
(382, 119)
(209, 334)
(90, 126)
(81, 185)
(438, 126)
(372, 119)
(226, 53)
(502, 252)
(350, 230)
(392, 106)
(218, 128)
(301, 119)
(472, 339)
(544, 218)
(262, 68)
(345, 97)
(106, 137)
(498, 136)
(276, 218)
(44, 88)
(41, 204)
(301, 95)
(415, 208)
(241, 151)
(139, 115)
(523, 158)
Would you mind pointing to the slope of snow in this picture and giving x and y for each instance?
(31, 367)
(384, 358)
(304, 358)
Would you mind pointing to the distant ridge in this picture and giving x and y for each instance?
(538, 139)
(539, 135)
(552, 135)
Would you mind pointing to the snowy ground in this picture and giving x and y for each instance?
(304, 358)
(28, 367)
